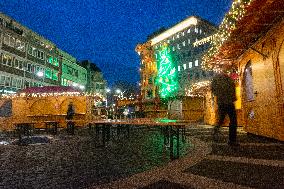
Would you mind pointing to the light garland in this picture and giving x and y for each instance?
(194, 90)
(55, 94)
(236, 13)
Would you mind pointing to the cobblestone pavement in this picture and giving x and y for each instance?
(257, 163)
(77, 161)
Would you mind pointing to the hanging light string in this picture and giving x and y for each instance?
(238, 10)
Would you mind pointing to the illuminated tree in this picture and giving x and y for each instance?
(167, 74)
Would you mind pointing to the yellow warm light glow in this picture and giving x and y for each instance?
(179, 27)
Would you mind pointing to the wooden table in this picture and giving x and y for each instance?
(24, 128)
(169, 130)
(51, 126)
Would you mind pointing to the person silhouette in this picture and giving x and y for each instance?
(223, 87)
(69, 117)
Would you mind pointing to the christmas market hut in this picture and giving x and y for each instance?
(251, 39)
(40, 105)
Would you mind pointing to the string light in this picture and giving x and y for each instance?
(235, 14)
(54, 94)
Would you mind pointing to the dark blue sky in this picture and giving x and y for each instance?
(107, 31)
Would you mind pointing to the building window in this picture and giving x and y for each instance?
(7, 81)
(188, 31)
(196, 30)
(55, 61)
(14, 82)
(55, 75)
(19, 83)
(190, 65)
(188, 41)
(183, 43)
(7, 60)
(173, 48)
(6, 39)
(178, 68)
(178, 46)
(48, 73)
(16, 63)
(2, 80)
(29, 67)
(20, 45)
(49, 59)
(184, 66)
(196, 63)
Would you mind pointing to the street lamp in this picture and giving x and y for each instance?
(40, 75)
(107, 91)
(118, 91)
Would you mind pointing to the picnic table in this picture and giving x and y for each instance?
(172, 130)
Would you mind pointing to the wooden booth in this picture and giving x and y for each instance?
(40, 106)
(255, 45)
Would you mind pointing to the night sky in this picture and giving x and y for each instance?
(107, 31)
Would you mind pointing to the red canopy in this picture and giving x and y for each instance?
(49, 89)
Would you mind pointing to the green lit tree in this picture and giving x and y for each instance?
(167, 74)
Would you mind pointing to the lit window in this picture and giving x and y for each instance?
(188, 31)
(183, 43)
(48, 73)
(200, 31)
(196, 63)
(173, 48)
(178, 46)
(54, 75)
(177, 35)
(178, 68)
(196, 30)
(188, 41)
(190, 65)
(182, 33)
(184, 66)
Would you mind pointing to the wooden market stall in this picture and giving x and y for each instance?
(42, 105)
(251, 38)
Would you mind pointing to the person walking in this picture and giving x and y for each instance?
(223, 87)
(69, 117)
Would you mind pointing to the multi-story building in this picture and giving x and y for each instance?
(72, 73)
(171, 58)
(26, 58)
(95, 80)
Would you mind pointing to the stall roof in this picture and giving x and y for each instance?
(49, 89)
(260, 16)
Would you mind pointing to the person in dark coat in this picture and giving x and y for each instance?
(223, 87)
(69, 117)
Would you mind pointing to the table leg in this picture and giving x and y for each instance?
(171, 143)
(178, 130)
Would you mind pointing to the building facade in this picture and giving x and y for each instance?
(177, 53)
(26, 58)
(72, 73)
(95, 80)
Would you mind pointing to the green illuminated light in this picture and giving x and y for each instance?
(167, 74)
